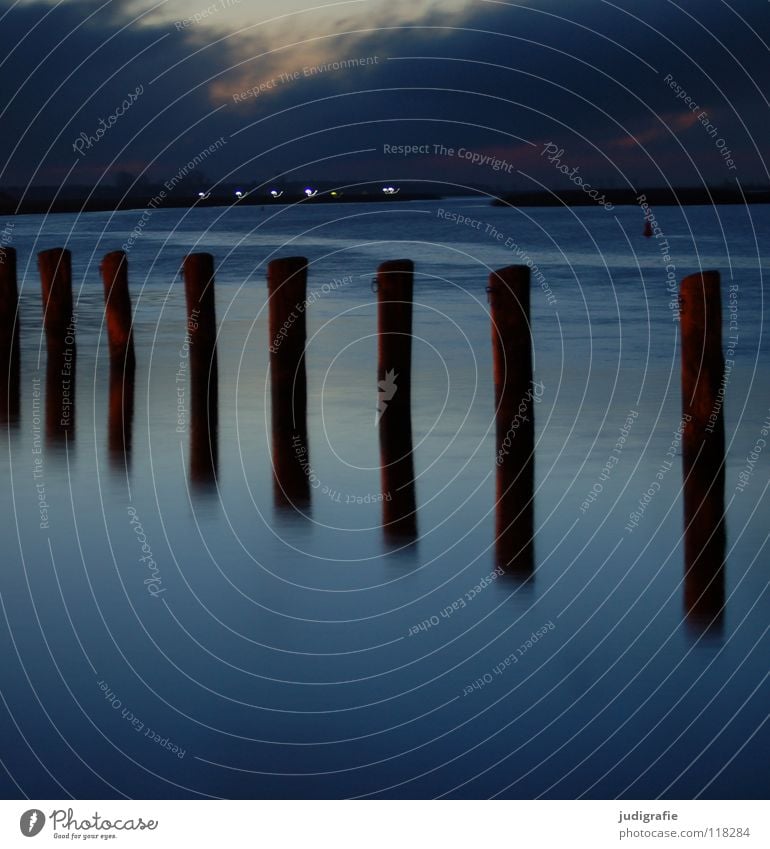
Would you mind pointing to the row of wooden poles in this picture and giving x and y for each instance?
(509, 293)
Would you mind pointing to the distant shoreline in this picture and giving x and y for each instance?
(683, 196)
(112, 203)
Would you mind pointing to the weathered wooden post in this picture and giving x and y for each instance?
(395, 284)
(59, 320)
(114, 270)
(55, 266)
(198, 273)
(9, 339)
(515, 397)
(287, 301)
(703, 448)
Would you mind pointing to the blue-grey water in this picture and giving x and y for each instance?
(279, 655)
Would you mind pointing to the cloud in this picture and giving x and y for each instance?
(663, 127)
(483, 75)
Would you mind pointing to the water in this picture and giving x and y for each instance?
(282, 657)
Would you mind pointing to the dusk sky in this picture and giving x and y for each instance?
(606, 82)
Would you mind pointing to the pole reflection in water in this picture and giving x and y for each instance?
(114, 270)
(121, 414)
(59, 321)
(515, 397)
(198, 272)
(394, 400)
(287, 293)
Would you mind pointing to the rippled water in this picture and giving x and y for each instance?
(283, 657)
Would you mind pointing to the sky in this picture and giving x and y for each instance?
(502, 94)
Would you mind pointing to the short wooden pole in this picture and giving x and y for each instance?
(55, 266)
(198, 273)
(515, 397)
(114, 270)
(9, 294)
(9, 339)
(394, 328)
(703, 448)
(287, 304)
(703, 365)
(395, 286)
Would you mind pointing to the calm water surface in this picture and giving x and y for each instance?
(282, 657)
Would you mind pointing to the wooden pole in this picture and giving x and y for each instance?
(394, 327)
(9, 339)
(703, 448)
(515, 397)
(395, 284)
(114, 270)
(198, 273)
(287, 300)
(703, 364)
(55, 266)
